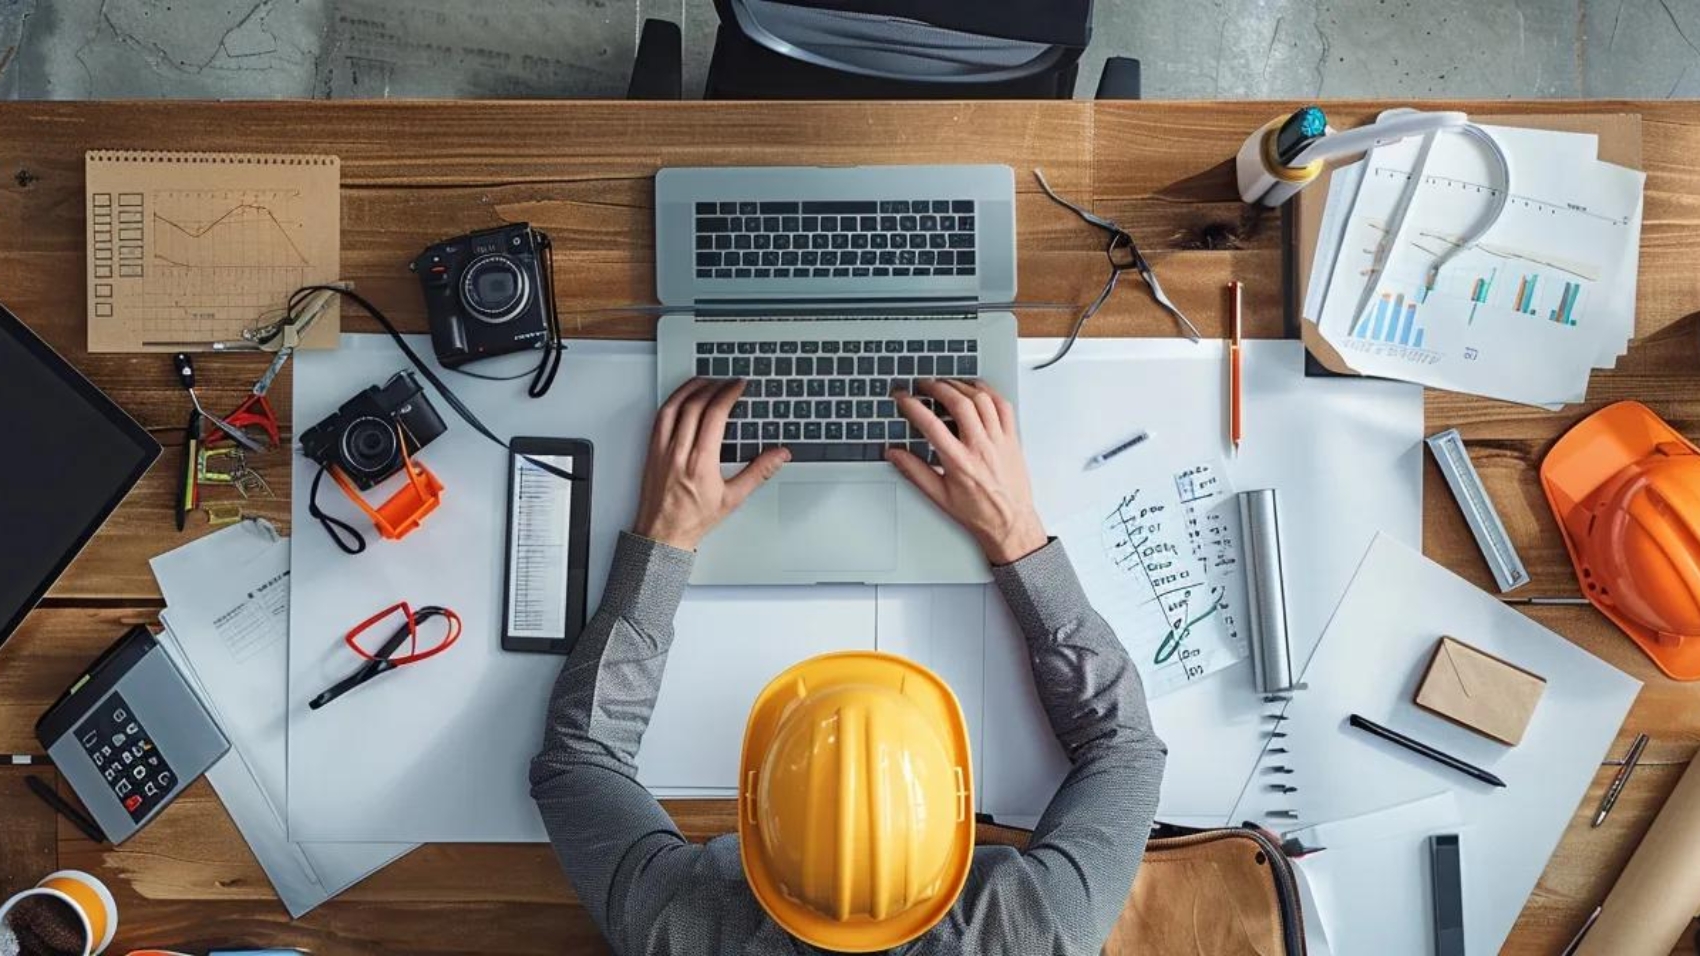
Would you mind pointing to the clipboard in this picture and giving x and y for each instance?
(1301, 219)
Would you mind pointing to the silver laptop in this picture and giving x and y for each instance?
(823, 288)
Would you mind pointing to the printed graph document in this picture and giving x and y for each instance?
(185, 249)
(1370, 662)
(227, 628)
(1524, 314)
(1161, 562)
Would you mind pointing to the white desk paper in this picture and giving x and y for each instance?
(1161, 562)
(227, 628)
(1370, 662)
(1346, 455)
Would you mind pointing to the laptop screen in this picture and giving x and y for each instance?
(71, 455)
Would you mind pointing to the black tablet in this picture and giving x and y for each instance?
(70, 455)
(548, 546)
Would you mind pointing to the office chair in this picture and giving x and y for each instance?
(885, 49)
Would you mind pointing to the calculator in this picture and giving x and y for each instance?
(130, 735)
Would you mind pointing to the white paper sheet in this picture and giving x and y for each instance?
(1347, 456)
(1370, 887)
(1370, 662)
(1554, 278)
(1161, 562)
(227, 628)
(450, 740)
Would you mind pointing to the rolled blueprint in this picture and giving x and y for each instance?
(1658, 893)
(1266, 592)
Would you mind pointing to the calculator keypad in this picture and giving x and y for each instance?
(126, 757)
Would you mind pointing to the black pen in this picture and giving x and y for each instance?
(48, 796)
(1418, 747)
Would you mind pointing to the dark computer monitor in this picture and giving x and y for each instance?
(68, 455)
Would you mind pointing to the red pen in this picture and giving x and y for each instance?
(1234, 417)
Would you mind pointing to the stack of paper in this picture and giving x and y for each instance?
(1526, 313)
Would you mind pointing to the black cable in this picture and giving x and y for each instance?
(335, 527)
(553, 346)
(443, 390)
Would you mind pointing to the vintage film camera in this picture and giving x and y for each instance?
(362, 440)
(489, 293)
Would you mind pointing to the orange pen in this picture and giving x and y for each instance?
(1235, 418)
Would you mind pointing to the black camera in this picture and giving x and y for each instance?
(363, 439)
(489, 293)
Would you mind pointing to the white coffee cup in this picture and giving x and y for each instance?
(86, 896)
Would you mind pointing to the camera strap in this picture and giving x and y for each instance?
(552, 348)
(437, 383)
(344, 535)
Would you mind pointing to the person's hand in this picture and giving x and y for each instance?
(684, 496)
(982, 481)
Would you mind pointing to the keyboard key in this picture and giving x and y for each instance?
(706, 209)
(865, 409)
(925, 256)
(805, 364)
(947, 223)
(823, 409)
(876, 431)
(906, 365)
(965, 258)
(811, 431)
(839, 207)
(811, 224)
(802, 410)
(773, 388)
(816, 387)
(906, 258)
(879, 386)
(781, 409)
(712, 224)
(897, 431)
(961, 206)
(751, 259)
(929, 223)
(888, 258)
(752, 389)
(945, 366)
(762, 241)
(784, 364)
(899, 241)
(908, 223)
(834, 431)
(790, 223)
(914, 345)
(747, 208)
(965, 223)
(770, 223)
(917, 240)
(835, 387)
(778, 208)
(723, 273)
(871, 346)
(810, 347)
(935, 345)
(924, 366)
(708, 259)
(705, 366)
(961, 240)
(858, 240)
(819, 240)
(770, 258)
(810, 258)
(752, 223)
(940, 205)
(829, 258)
(809, 450)
(937, 240)
(885, 408)
(829, 224)
(723, 242)
(728, 209)
(769, 431)
(865, 365)
(855, 431)
(767, 348)
(858, 387)
(747, 451)
(840, 240)
(887, 365)
(741, 241)
(760, 409)
(792, 431)
(740, 367)
(844, 409)
(749, 431)
(722, 368)
(705, 273)
(967, 366)
(787, 348)
(729, 452)
(793, 388)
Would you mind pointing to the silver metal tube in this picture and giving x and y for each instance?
(1271, 649)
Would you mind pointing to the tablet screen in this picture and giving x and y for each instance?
(71, 454)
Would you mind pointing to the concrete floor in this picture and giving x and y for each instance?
(73, 49)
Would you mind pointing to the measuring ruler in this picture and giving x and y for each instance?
(1466, 485)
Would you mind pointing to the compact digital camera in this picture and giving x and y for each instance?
(489, 293)
(361, 438)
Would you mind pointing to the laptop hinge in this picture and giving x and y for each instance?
(769, 309)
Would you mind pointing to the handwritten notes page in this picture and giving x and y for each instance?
(1161, 563)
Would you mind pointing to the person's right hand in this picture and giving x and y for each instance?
(982, 479)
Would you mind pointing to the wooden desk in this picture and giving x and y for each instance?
(417, 172)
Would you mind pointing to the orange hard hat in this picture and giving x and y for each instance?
(855, 815)
(1625, 487)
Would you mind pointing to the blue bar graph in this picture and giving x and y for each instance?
(1393, 322)
(1410, 323)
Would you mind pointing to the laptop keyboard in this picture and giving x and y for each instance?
(829, 401)
(835, 239)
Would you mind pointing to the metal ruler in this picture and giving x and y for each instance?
(1466, 485)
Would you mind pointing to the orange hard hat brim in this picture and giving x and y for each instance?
(1586, 458)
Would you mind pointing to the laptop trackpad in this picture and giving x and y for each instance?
(838, 526)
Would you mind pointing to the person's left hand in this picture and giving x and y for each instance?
(684, 495)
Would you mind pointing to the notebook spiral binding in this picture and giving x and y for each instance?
(215, 159)
(1271, 652)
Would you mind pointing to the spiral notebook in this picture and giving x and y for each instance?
(1370, 661)
(186, 250)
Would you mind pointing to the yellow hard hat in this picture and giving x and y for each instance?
(856, 810)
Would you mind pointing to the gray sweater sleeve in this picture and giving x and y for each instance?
(1089, 842)
(610, 834)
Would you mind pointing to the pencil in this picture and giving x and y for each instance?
(1235, 420)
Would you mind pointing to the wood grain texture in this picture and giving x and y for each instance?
(417, 172)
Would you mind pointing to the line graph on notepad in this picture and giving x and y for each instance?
(220, 259)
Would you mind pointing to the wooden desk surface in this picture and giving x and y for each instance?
(417, 172)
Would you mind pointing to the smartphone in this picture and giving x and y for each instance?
(548, 544)
(1446, 871)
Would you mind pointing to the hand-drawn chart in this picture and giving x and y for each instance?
(189, 249)
(1161, 563)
